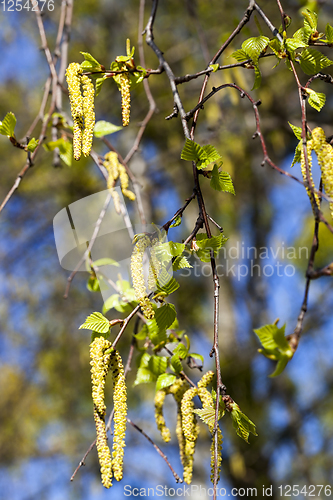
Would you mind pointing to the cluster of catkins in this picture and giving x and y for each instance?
(82, 109)
(102, 360)
(324, 152)
(187, 428)
(143, 242)
(116, 170)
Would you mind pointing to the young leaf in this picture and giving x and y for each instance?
(316, 99)
(243, 425)
(297, 131)
(32, 145)
(165, 380)
(221, 181)
(298, 153)
(168, 288)
(166, 251)
(257, 78)
(180, 262)
(275, 346)
(103, 128)
(207, 244)
(312, 61)
(177, 221)
(7, 126)
(207, 415)
(192, 151)
(157, 364)
(329, 33)
(303, 35)
(97, 323)
(99, 83)
(93, 284)
(254, 46)
(144, 376)
(176, 363)
(310, 19)
(240, 55)
(90, 63)
(165, 316)
(214, 67)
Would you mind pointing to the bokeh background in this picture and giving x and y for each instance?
(46, 421)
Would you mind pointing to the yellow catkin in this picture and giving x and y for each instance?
(100, 362)
(190, 431)
(138, 277)
(125, 85)
(73, 77)
(159, 418)
(304, 175)
(120, 414)
(116, 170)
(206, 379)
(154, 266)
(88, 114)
(324, 152)
(177, 389)
(207, 401)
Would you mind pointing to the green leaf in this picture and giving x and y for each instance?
(294, 43)
(194, 355)
(90, 63)
(7, 126)
(111, 302)
(240, 55)
(214, 67)
(316, 99)
(275, 346)
(303, 34)
(254, 46)
(105, 262)
(312, 61)
(257, 78)
(32, 145)
(97, 323)
(176, 363)
(207, 415)
(65, 149)
(103, 128)
(144, 376)
(180, 262)
(297, 131)
(207, 244)
(158, 364)
(243, 425)
(221, 181)
(165, 316)
(192, 151)
(310, 19)
(93, 284)
(181, 351)
(171, 286)
(165, 380)
(177, 221)
(329, 33)
(203, 156)
(99, 83)
(166, 251)
(298, 153)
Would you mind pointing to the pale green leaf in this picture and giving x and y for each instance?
(195, 355)
(93, 284)
(165, 380)
(214, 67)
(32, 145)
(310, 19)
(7, 126)
(257, 78)
(169, 287)
(192, 151)
(303, 34)
(176, 363)
(312, 61)
(243, 425)
(266, 336)
(221, 181)
(97, 323)
(316, 99)
(177, 221)
(255, 46)
(240, 55)
(103, 128)
(99, 83)
(165, 316)
(166, 251)
(144, 376)
(297, 131)
(329, 33)
(207, 415)
(158, 364)
(90, 63)
(181, 262)
(207, 244)
(298, 153)
(294, 43)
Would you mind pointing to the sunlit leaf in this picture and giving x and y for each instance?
(97, 323)
(7, 125)
(103, 128)
(165, 380)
